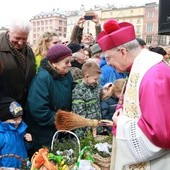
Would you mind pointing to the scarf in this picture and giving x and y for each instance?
(20, 56)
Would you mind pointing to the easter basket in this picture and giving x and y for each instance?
(60, 156)
(101, 146)
(59, 146)
(102, 154)
(67, 146)
(25, 165)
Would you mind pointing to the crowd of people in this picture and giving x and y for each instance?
(112, 75)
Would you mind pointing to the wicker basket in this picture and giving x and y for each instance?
(102, 162)
(57, 140)
(24, 163)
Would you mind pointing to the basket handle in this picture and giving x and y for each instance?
(14, 156)
(81, 154)
(66, 131)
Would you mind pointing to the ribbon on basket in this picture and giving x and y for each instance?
(88, 160)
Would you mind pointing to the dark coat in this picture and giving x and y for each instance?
(48, 92)
(108, 107)
(14, 81)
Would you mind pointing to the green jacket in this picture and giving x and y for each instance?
(48, 92)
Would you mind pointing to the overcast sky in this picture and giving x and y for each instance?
(10, 9)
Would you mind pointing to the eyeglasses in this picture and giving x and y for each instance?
(111, 55)
(66, 42)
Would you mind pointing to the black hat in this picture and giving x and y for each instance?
(9, 109)
(74, 47)
(158, 50)
(141, 41)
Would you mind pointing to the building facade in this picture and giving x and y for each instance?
(48, 21)
(144, 18)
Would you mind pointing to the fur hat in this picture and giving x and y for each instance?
(115, 34)
(95, 48)
(9, 109)
(58, 52)
(74, 47)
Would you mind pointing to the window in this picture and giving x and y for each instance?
(51, 21)
(131, 21)
(148, 39)
(138, 21)
(60, 29)
(38, 23)
(60, 22)
(138, 29)
(149, 27)
(151, 14)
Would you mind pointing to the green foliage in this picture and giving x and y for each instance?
(91, 141)
(65, 144)
(63, 147)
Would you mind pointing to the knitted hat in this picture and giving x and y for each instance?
(9, 109)
(76, 73)
(74, 47)
(115, 34)
(58, 52)
(95, 49)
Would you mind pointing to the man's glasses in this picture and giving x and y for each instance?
(111, 55)
(66, 42)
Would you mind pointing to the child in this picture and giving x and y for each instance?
(86, 94)
(13, 134)
(110, 100)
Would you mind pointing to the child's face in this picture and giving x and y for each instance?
(16, 121)
(91, 80)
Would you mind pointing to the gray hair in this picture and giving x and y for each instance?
(131, 46)
(21, 24)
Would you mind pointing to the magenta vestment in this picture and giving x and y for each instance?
(154, 97)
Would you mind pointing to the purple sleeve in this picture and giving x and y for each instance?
(155, 105)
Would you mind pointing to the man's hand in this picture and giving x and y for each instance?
(116, 115)
(96, 19)
(80, 21)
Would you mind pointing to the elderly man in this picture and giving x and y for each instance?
(143, 128)
(18, 61)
